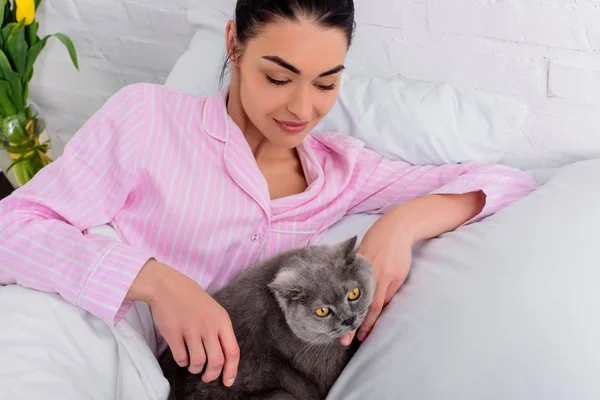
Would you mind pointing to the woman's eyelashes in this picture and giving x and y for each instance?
(277, 82)
(329, 87)
(285, 82)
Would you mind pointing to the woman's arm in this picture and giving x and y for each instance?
(421, 202)
(388, 243)
(379, 185)
(432, 215)
(41, 242)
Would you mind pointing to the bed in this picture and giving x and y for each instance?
(502, 309)
(506, 308)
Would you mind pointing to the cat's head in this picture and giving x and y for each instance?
(324, 291)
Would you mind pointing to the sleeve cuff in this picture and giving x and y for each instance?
(107, 285)
(497, 195)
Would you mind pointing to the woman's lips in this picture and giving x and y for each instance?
(292, 127)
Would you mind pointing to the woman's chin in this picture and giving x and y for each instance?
(288, 141)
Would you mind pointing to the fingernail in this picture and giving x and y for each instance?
(230, 382)
(362, 336)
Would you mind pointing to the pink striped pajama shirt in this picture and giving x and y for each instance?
(174, 175)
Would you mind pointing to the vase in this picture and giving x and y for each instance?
(25, 139)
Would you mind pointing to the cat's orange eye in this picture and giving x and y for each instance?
(354, 294)
(322, 312)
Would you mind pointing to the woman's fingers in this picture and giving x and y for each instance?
(392, 290)
(178, 349)
(215, 357)
(197, 353)
(231, 351)
(374, 311)
(347, 338)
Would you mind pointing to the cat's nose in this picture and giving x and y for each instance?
(349, 321)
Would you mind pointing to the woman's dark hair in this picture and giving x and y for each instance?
(252, 15)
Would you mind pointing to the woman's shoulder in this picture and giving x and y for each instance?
(167, 108)
(156, 109)
(158, 94)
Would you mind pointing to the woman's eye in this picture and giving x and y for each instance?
(325, 87)
(276, 82)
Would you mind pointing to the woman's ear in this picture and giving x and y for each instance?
(231, 42)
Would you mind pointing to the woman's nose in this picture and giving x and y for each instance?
(300, 104)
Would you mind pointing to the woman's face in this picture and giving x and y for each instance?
(289, 78)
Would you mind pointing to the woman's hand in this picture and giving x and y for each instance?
(388, 243)
(389, 249)
(197, 329)
(391, 255)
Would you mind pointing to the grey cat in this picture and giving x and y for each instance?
(288, 313)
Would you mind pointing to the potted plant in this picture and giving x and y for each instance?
(20, 122)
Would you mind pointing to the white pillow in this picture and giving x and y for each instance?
(425, 122)
(419, 122)
(197, 70)
(508, 308)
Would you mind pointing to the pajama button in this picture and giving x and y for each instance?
(255, 237)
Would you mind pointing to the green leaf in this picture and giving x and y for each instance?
(69, 45)
(37, 3)
(2, 11)
(32, 55)
(31, 30)
(13, 79)
(25, 93)
(16, 47)
(7, 30)
(5, 98)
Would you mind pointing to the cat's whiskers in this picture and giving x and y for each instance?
(314, 359)
(309, 345)
(336, 333)
(314, 356)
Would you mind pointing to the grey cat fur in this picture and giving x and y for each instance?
(287, 352)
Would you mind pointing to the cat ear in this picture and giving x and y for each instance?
(348, 249)
(285, 284)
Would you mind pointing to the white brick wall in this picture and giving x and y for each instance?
(118, 41)
(543, 52)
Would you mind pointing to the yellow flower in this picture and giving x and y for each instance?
(25, 9)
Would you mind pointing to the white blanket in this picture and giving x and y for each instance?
(50, 349)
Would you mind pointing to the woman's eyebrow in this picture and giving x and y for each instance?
(282, 63)
(332, 71)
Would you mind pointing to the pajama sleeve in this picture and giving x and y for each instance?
(42, 244)
(379, 183)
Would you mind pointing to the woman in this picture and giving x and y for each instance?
(200, 188)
